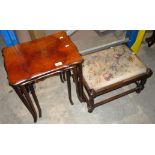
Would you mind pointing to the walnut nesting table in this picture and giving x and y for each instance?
(29, 62)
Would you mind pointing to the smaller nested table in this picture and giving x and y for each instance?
(29, 62)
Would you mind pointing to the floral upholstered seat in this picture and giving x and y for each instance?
(110, 66)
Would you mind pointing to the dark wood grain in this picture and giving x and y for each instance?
(40, 56)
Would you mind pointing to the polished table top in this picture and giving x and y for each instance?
(35, 58)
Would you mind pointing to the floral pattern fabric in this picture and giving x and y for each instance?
(109, 66)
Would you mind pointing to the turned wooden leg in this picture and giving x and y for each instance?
(90, 103)
(76, 80)
(80, 82)
(140, 85)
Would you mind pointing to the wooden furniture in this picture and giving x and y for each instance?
(110, 69)
(151, 39)
(29, 62)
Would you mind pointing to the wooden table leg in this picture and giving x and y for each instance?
(69, 86)
(61, 77)
(35, 99)
(26, 94)
(24, 100)
(64, 76)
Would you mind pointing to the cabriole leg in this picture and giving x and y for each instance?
(69, 86)
(27, 96)
(24, 100)
(35, 99)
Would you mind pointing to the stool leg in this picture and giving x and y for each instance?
(90, 104)
(80, 82)
(69, 86)
(35, 99)
(23, 88)
(76, 83)
(25, 102)
(140, 85)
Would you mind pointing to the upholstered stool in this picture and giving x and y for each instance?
(110, 69)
